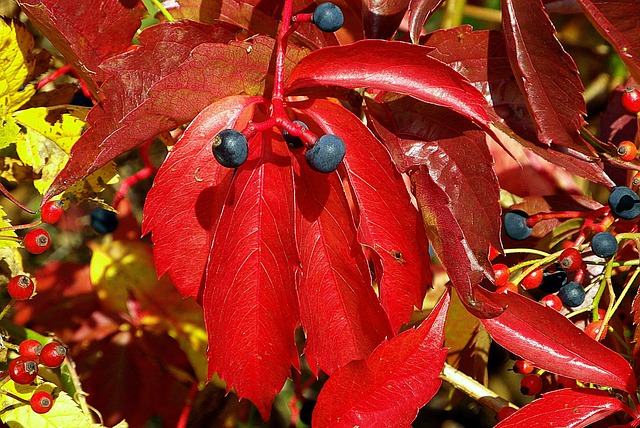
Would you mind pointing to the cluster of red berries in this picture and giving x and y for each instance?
(37, 240)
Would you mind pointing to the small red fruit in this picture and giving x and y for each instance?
(37, 241)
(41, 402)
(531, 384)
(23, 370)
(504, 413)
(631, 100)
(594, 328)
(53, 354)
(552, 301)
(523, 367)
(627, 151)
(52, 211)
(565, 382)
(509, 286)
(31, 349)
(501, 272)
(570, 259)
(21, 287)
(533, 279)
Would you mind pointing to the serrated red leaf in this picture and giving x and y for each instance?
(87, 33)
(249, 296)
(389, 387)
(183, 206)
(552, 342)
(546, 74)
(419, 12)
(568, 408)
(389, 225)
(339, 311)
(611, 19)
(381, 18)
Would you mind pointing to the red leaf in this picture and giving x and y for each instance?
(339, 310)
(249, 297)
(188, 196)
(611, 19)
(551, 341)
(545, 73)
(389, 387)
(87, 33)
(382, 17)
(569, 408)
(419, 12)
(389, 224)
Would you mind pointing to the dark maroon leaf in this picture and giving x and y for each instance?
(87, 33)
(389, 387)
(612, 20)
(568, 408)
(389, 225)
(545, 73)
(419, 12)
(552, 342)
(382, 17)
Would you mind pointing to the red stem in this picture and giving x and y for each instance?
(21, 226)
(186, 410)
(144, 173)
(534, 219)
(53, 76)
(9, 196)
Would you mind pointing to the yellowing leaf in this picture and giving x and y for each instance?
(13, 170)
(9, 131)
(16, 43)
(4, 222)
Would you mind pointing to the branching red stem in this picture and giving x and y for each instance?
(53, 76)
(9, 196)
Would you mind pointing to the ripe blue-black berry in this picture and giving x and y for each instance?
(624, 203)
(230, 148)
(326, 154)
(515, 225)
(572, 294)
(294, 142)
(604, 244)
(328, 17)
(104, 221)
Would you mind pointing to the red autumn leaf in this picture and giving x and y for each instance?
(611, 19)
(382, 17)
(569, 408)
(87, 33)
(339, 311)
(552, 342)
(419, 12)
(545, 73)
(399, 377)
(391, 226)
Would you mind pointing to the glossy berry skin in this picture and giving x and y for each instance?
(37, 241)
(531, 384)
(572, 294)
(23, 370)
(53, 354)
(41, 402)
(593, 329)
(627, 151)
(326, 154)
(328, 17)
(501, 273)
(30, 348)
(604, 244)
(230, 148)
(570, 259)
(552, 301)
(631, 100)
(565, 382)
(51, 212)
(533, 279)
(294, 142)
(523, 367)
(509, 286)
(103, 221)
(515, 225)
(625, 203)
(504, 413)
(21, 287)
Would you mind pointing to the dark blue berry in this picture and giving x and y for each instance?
(515, 225)
(604, 244)
(572, 294)
(552, 281)
(294, 142)
(306, 411)
(230, 148)
(326, 154)
(104, 221)
(624, 203)
(328, 17)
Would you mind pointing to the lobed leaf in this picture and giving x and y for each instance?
(399, 377)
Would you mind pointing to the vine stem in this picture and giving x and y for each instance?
(9, 196)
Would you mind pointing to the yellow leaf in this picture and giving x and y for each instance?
(9, 132)
(16, 44)
(14, 171)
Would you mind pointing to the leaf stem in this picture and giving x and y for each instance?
(162, 10)
(21, 226)
(9, 196)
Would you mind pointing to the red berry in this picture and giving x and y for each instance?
(601, 313)
(523, 367)
(31, 349)
(631, 100)
(21, 287)
(565, 382)
(52, 211)
(37, 241)
(531, 384)
(552, 301)
(570, 259)
(594, 328)
(504, 413)
(41, 401)
(509, 286)
(501, 272)
(533, 279)
(23, 370)
(53, 354)
(627, 151)
(493, 253)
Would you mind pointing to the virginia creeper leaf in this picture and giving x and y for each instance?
(552, 342)
(545, 73)
(382, 17)
(389, 225)
(339, 311)
(419, 12)
(249, 297)
(399, 377)
(87, 33)
(570, 408)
